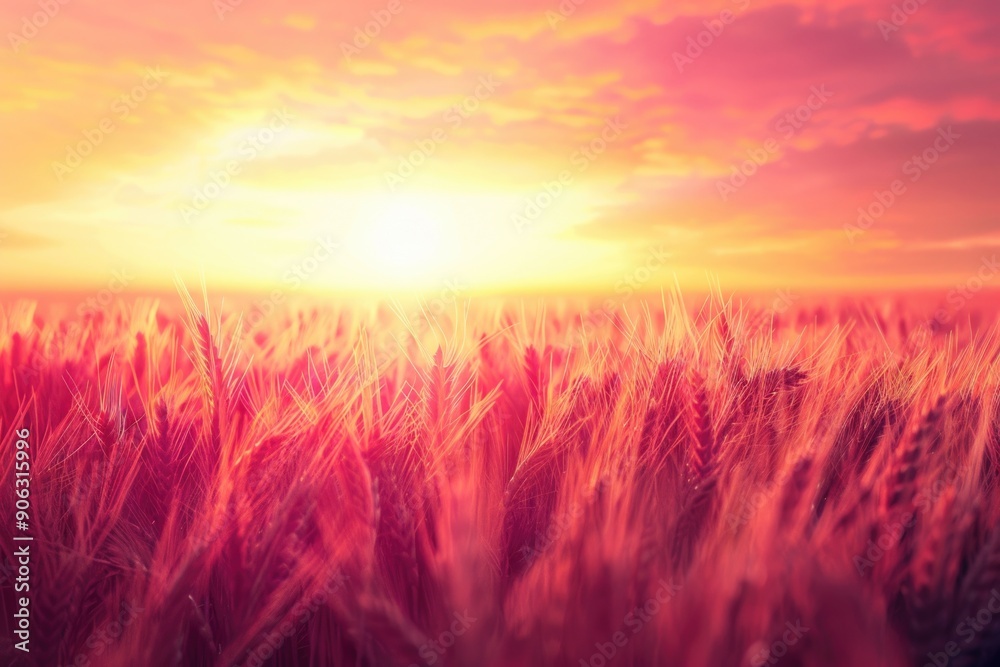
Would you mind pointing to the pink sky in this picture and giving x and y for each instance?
(873, 90)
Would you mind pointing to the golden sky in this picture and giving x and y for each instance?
(523, 144)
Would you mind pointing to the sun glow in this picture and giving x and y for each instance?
(408, 239)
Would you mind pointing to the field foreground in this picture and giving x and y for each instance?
(692, 486)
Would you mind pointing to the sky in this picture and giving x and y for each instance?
(519, 145)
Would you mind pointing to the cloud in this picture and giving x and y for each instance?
(687, 127)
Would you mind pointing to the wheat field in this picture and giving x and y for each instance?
(688, 483)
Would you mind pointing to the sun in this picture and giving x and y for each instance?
(407, 239)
